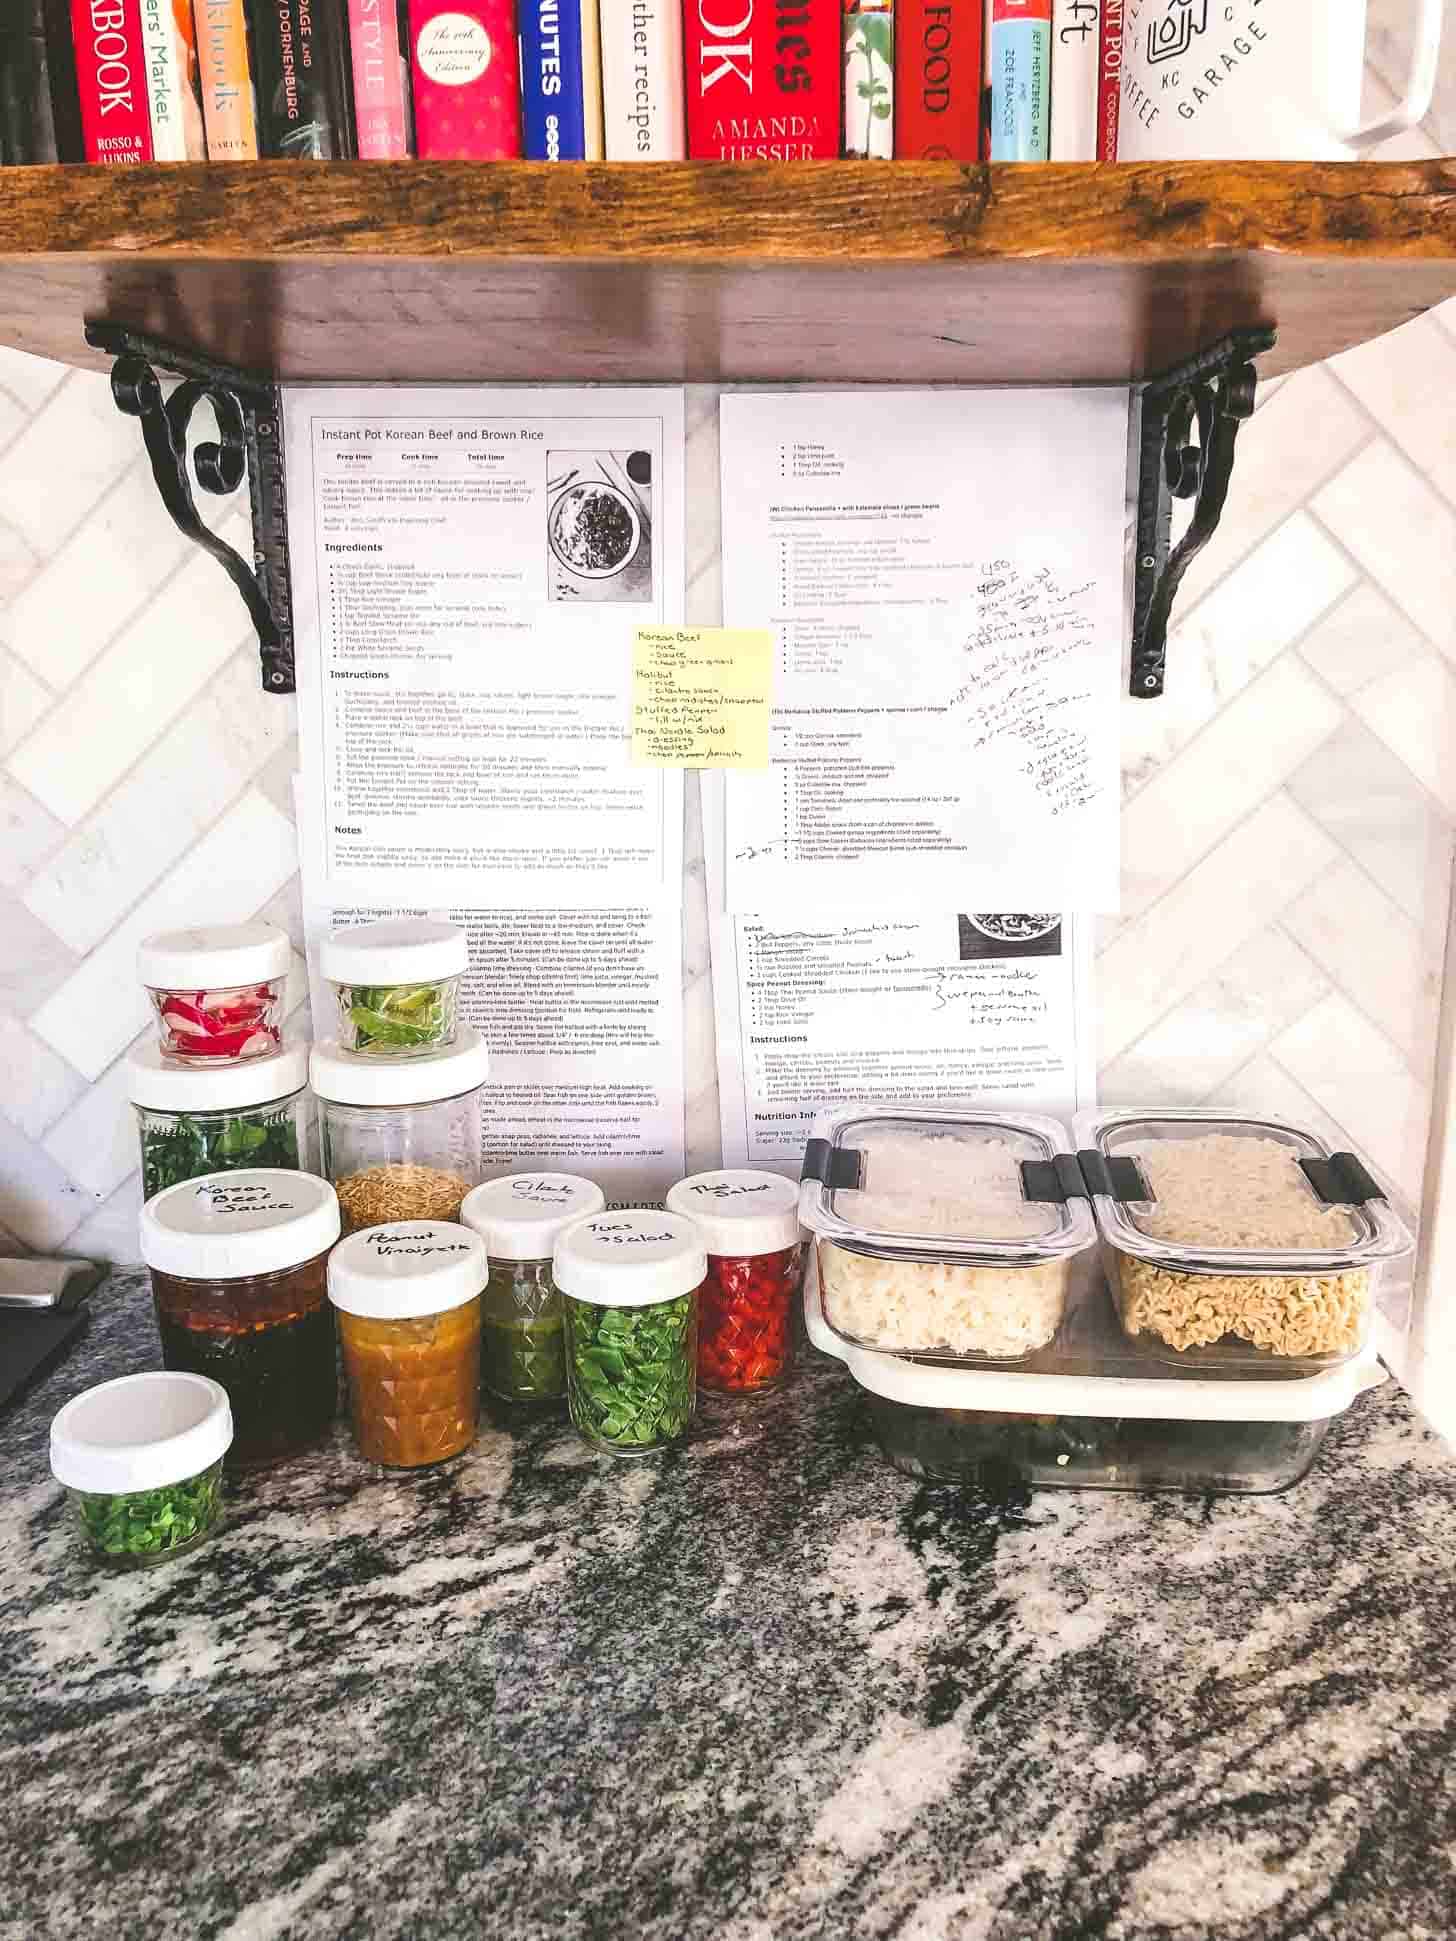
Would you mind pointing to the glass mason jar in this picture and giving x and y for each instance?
(194, 1120)
(238, 1281)
(141, 1460)
(408, 1301)
(631, 1283)
(523, 1339)
(218, 993)
(750, 1225)
(400, 1141)
(396, 984)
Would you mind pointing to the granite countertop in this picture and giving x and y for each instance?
(760, 1689)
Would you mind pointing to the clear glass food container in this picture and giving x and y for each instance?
(926, 1240)
(1233, 1260)
(194, 1120)
(523, 1338)
(408, 1302)
(397, 985)
(749, 1221)
(218, 993)
(141, 1460)
(238, 1281)
(631, 1283)
(400, 1141)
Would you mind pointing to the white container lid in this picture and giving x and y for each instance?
(231, 1226)
(216, 959)
(163, 1085)
(740, 1211)
(407, 1269)
(519, 1217)
(141, 1432)
(401, 950)
(630, 1259)
(345, 1078)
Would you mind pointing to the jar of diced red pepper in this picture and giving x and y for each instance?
(218, 992)
(750, 1225)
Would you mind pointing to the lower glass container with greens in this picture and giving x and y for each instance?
(200, 1119)
(632, 1282)
(523, 1332)
(141, 1459)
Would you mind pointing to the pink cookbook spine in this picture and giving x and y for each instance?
(381, 110)
(467, 87)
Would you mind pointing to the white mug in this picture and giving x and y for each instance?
(1243, 80)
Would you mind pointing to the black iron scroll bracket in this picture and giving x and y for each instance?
(249, 446)
(1211, 394)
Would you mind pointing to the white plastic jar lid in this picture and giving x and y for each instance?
(345, 1078)
(629, 1259)
(160, 1084)
(232, 1226)
(401, 950)
(739, 1210)
(520, 1217)
(407, 1269)
(216, 959)
(141, 1432)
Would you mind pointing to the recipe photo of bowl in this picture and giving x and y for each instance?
(599, 525)
(1010, 934)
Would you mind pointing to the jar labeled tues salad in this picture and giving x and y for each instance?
(750, 1225)
(396, 984)
(197, 1119)
(631, 1282)
(523, 1338)
(218, 992)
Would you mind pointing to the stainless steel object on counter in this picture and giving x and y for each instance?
(41, 1284)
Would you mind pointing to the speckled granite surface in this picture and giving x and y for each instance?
(761, 1690)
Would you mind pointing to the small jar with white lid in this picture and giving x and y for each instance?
(749, 1221)
(141, 1459)
(238, 1279)
(397, 985)
(197, 1119)
(400, 1140)
(408, 1302)
(217, 992)
(631, 1282)
(523, 1340)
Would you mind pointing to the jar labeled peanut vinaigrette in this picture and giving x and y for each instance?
(750, 1225)
(523, 1338)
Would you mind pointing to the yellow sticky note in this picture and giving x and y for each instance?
(700, 696)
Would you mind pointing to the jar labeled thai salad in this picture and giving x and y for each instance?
(141, 1460)
(408, 1300)
(197, 1119)
(218, 992)
(396, 984)
(523, 1328)
(631, 1282)
(750, 1225)
(400, 1141)
(238, 1279)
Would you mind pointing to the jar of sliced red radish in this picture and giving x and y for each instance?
(218, 993)
(750, 1226)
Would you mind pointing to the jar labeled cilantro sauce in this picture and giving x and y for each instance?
(750, 1225)
(237, 1263)
(631, 1282)
(523, 1337)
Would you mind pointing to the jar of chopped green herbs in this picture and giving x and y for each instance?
(631, 1283)
(141, 1459)
(523, 1327)
(200, 1119)
(396, 984)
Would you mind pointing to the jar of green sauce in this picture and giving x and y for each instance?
(523, 1328)
(199, 1119)
(631, 1283)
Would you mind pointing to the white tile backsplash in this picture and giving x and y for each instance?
(1402, 532)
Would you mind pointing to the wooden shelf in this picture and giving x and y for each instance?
(827, 271)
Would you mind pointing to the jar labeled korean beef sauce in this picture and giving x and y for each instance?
(238, 1279)
(750, 1225)
(408, 1299)
(523, 1337)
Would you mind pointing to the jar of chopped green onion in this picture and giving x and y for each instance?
(631, 1283)
(397, 985)
(523, 1328)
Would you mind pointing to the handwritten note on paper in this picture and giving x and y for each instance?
(700, 696)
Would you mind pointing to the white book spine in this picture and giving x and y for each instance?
(165, 82)
(642, 80)
(1076, 45)
(591, 78)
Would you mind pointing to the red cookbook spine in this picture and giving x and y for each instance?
(467, 85)
(938, 80)
(762, 79)
(116, 124)
(1109, 81)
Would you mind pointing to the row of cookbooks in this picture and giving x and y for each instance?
(133, 81)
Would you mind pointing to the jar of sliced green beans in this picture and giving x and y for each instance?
(631, 1283)
(523, 1328)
